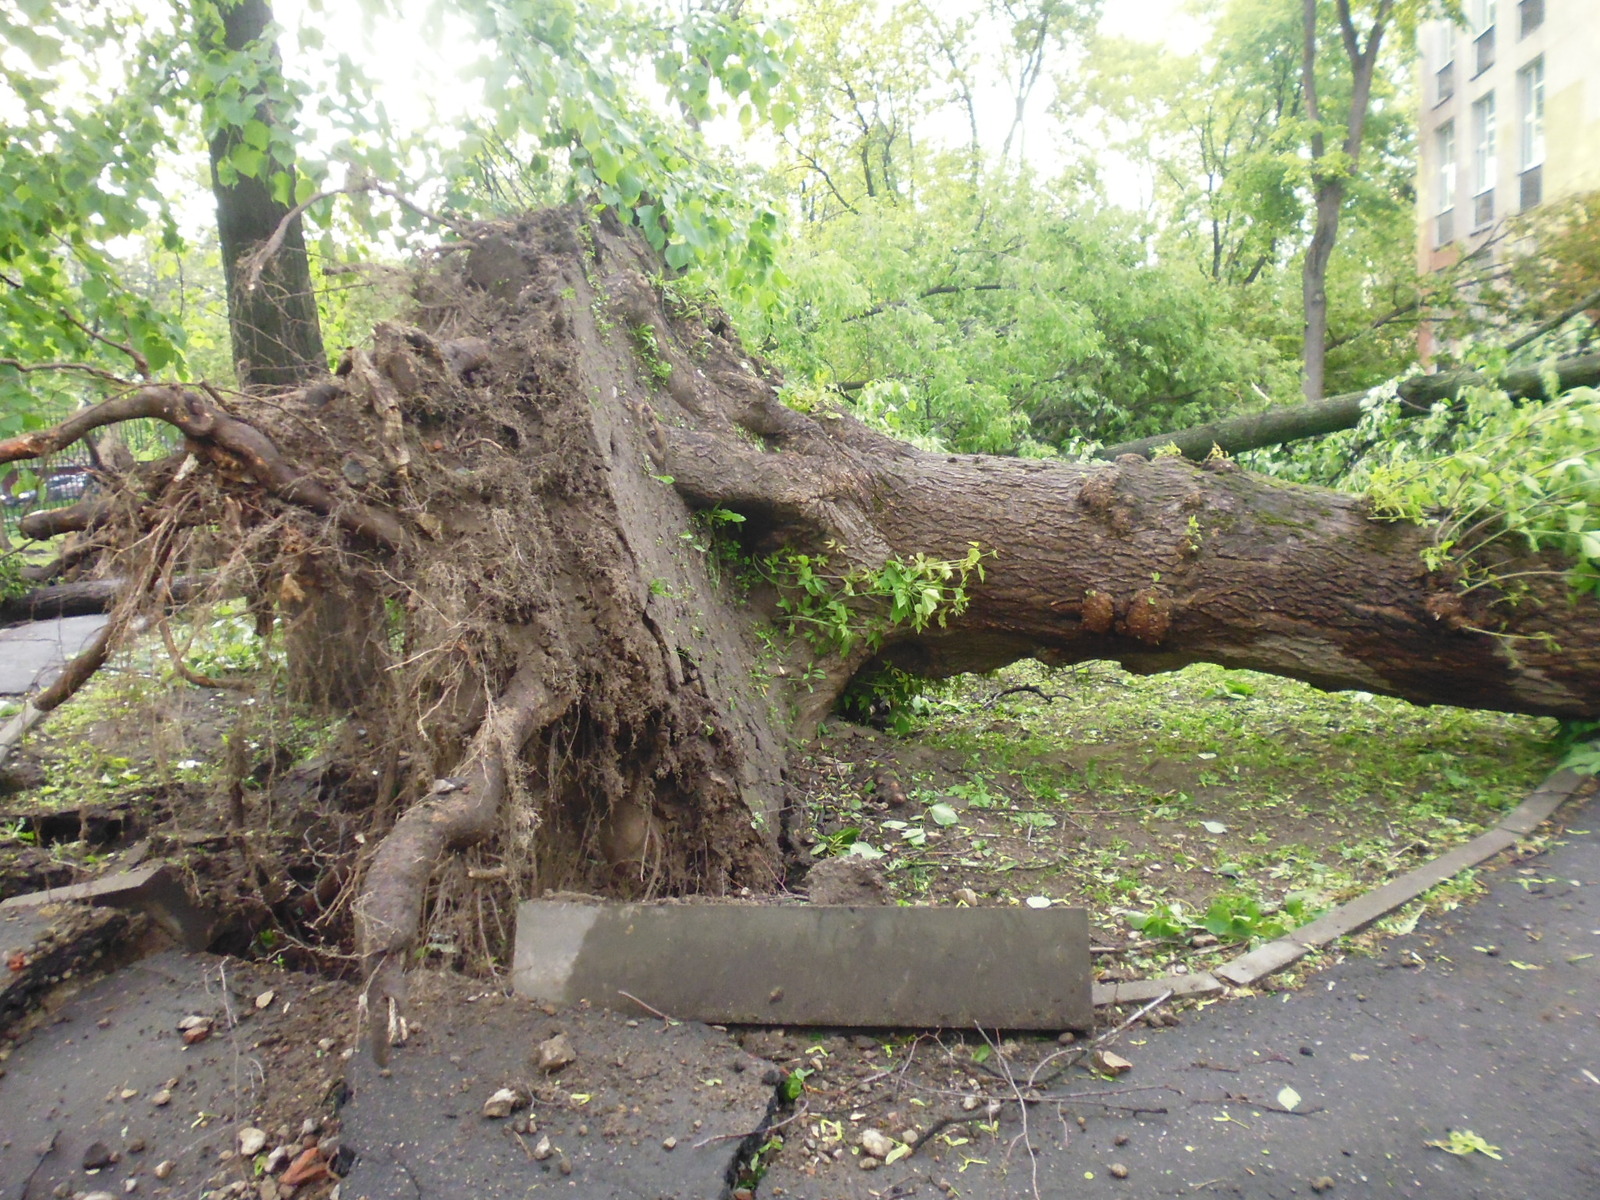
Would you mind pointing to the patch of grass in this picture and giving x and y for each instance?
(1193, 813)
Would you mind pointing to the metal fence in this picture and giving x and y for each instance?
(58, 480)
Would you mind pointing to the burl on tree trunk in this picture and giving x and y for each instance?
(575, 670)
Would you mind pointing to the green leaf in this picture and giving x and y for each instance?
(247, 160)
(943, 814)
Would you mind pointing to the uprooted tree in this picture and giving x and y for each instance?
(580, 540)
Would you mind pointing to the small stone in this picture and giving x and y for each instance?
(196, 1034)
(909, 1136)
(251, 1141)
(265, 999)
(1322, 1183)
(310, 1126)
(97, 1196)
(62, 1191)
(136, 1145)
(520, 1125)
(1118, 1171)
(554, 1053)
(542, 1149)
(96, 1156)
(1066, 1037)
(162, 1098)
(1108, 1063)
(130, 1186)
(564, 1165)
(325, 1044)
(164, 1168)
(193, 1021)
(504, 1102)
(969, 1103)
(670, 1143)
(1120, 1140)
(876, 1143)
(128, 1093)
(278, 1159)
(868, 1163)
(967, 896)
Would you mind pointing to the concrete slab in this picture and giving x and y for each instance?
(1142, 991)
(155, 891)
(999, 968)
(1263, 961)
(1542, 803)
(32, 655)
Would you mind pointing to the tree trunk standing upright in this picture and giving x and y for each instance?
(277, 340)
(1328, 177)
(332, 620)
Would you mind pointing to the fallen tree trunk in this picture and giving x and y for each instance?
(1418, 395)
(84, 598)
(592, 664)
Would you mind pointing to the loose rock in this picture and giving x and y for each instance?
(1108, 1063)
(162, 1098)
(1322, 1183)
(164, 1168)
(505, 1101)
(251, 1141)
(542, 1149)
(97, 1155)
(554, 1053)
(1118, 1171)
(876, 1144)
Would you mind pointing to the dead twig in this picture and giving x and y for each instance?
(257, 260)
(802, 1111)
(649, 1008)
(1077, 1054)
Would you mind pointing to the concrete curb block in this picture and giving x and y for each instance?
(155, 891)
(1540, 805)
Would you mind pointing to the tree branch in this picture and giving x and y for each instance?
(258, 258)
(212, 427)
(1255, 430)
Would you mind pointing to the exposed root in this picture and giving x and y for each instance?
(461, 810)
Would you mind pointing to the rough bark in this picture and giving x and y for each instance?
(277, 340)
(1329, 179)
(582, 681)
(1418, 395)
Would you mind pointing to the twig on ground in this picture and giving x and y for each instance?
(649, 1008)
(803, 1110)
(1077, 1054)
(1026, 687)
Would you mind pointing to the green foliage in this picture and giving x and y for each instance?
(1527, 473)
(834, 611)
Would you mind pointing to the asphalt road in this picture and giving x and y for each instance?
(1483, 1021)
(36, 652)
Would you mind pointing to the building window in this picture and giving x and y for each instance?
(1483, 161)
(1532, 15)
(1483, 35)
(1444, 83)
(1530, 102)
(1445, 182)
(1530, 134)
